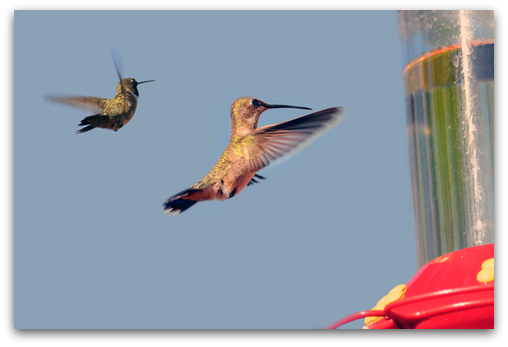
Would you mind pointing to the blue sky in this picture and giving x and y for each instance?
(327, 234)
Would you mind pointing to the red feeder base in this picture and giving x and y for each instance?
(454, 291)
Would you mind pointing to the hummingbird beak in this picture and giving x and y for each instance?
(285, 106)
(146, 81)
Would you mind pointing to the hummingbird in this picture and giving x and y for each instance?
(110, 114)
(251, 149)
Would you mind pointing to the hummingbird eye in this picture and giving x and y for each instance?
(256, 103)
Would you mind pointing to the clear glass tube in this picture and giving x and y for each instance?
(449, 93)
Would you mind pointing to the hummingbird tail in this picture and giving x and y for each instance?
(178, 202)
(84, 130)
(99, 121)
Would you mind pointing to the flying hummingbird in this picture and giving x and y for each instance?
(110, 114)
(251, 149)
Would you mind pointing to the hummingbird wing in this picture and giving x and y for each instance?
(272, 142)
(87, 103)
(117, 60)
(253, 179)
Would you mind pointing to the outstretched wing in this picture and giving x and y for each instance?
(87, 103)
(272, 142)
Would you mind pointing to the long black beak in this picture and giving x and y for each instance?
(146, 81)
(285, 106)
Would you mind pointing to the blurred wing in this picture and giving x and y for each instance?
(87, 103)
(117, 59)
(272, 142)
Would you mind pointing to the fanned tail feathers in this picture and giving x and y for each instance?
(177, 203)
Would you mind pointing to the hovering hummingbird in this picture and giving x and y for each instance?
(110, 114)
(251, 149)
